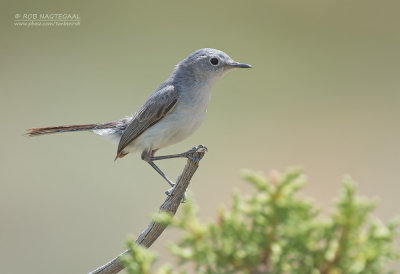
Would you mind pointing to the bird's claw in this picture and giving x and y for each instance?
(190, 153)
(200, 148)
(169, 193)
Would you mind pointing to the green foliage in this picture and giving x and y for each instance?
(139, 260)
(276, 231)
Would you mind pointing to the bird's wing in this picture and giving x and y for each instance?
(156, 108)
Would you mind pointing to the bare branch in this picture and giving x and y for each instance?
(170, 205)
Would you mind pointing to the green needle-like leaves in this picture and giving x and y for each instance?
(275, 230)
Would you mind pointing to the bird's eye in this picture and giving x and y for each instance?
(214, 61)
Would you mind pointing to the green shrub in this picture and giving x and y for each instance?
(276, 231)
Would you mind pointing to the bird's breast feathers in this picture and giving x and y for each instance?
(178, 124)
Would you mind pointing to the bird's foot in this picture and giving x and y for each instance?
(191, 153)
(169, 193)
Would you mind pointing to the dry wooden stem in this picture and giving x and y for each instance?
(170, 205)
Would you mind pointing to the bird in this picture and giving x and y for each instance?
(171, 114)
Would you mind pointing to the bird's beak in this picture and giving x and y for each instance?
(239, 65)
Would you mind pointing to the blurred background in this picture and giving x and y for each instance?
(323, 94)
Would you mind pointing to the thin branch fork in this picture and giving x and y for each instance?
(170, 205)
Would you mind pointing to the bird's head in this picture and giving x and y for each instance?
(209, 63)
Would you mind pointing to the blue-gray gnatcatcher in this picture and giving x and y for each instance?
(172, 113)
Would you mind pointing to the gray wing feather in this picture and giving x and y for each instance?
(154, 109)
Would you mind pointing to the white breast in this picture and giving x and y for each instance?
(185, 118)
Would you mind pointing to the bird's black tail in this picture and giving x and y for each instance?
(71, 128)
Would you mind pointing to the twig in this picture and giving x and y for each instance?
(170, 205)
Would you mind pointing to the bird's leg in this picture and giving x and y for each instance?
(161, 173)
(149, 157)
(187, 154)
(169, 191)
(146, 156)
